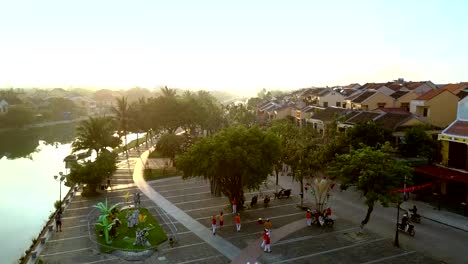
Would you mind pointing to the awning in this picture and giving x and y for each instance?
(443, 173)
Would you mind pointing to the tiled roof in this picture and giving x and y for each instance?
(459, 128)
(363, 117)
(455, 87)
(413, 85)
(329, 113)
(323, 92)
(394, 86)
(362, 97)
(398, 94)
(392, 120)
(443, 173)
(430, 94)
(392, 110)
(374, 86)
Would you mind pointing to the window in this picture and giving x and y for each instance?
(425, 112)
(405, 106)
(344, 105)
(338, 104)
(380, 105)
(325, 104)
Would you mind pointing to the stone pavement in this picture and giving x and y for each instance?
(218, 243)
(184, 209)
(426, 210)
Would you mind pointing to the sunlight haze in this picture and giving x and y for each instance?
(239, 46)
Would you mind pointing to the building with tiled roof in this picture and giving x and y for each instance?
(451, 175)
(437, 107)
(321, 119)
(369, 100)
(403, 99)
(393, 121)
(459, 89)
(418, 88)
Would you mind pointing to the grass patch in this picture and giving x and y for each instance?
(156, 155)
(131, 144)
(155, 174)
(126, 236)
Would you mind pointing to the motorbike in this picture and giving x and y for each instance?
(266, 201)
(254, 200)
(416, 218)
(327, 221)
(410, 230)
(283, 193)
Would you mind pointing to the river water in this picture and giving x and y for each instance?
(28, 161)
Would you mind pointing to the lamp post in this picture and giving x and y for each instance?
(438, 200)
(60, 180)
(397, 242)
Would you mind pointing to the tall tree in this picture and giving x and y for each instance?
(369, 134)
(95, 134)
(233, 159)
(418, 143)
(298, 146)
(373, 172)
(170, 145)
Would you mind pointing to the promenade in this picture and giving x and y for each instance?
(184, 209)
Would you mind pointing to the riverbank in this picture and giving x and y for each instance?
(45, 124)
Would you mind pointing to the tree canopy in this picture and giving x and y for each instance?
(370, 134)
(234, 159)
(374, 173)
(95, 134)
(418, 143)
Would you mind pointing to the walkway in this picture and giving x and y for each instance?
(223, 246)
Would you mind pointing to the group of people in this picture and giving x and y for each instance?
(220, 218)
(266, 236)
(313, 217)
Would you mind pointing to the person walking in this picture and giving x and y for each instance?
(213, 225)
(234, 206)
(58, 221)
(264, 235)
(267, 243)
(309, 218)
(238, 222)
(221, 219)
(268, 224)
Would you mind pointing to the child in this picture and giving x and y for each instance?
(213, 225)
(264, 235)
(221, 219)
(268, 225)
(267, 243)
(309, 218)
(238, 222)
(234, 206)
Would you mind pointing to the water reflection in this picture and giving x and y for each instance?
(22, 143)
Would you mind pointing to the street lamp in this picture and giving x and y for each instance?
(60, 180)
(397, 242)
(438, 200)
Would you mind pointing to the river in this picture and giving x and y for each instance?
(28, 161)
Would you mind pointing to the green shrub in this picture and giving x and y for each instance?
(154, 174)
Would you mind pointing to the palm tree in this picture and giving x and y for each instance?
(95, 134)
(121, 111)
(167, 92)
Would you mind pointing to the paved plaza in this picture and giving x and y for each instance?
(184, 209)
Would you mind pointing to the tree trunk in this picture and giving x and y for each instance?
(276, 171)
(370, 208)
(215, 189)
(137, 145)
(302, 191)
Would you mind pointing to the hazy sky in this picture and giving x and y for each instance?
(231, 45)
